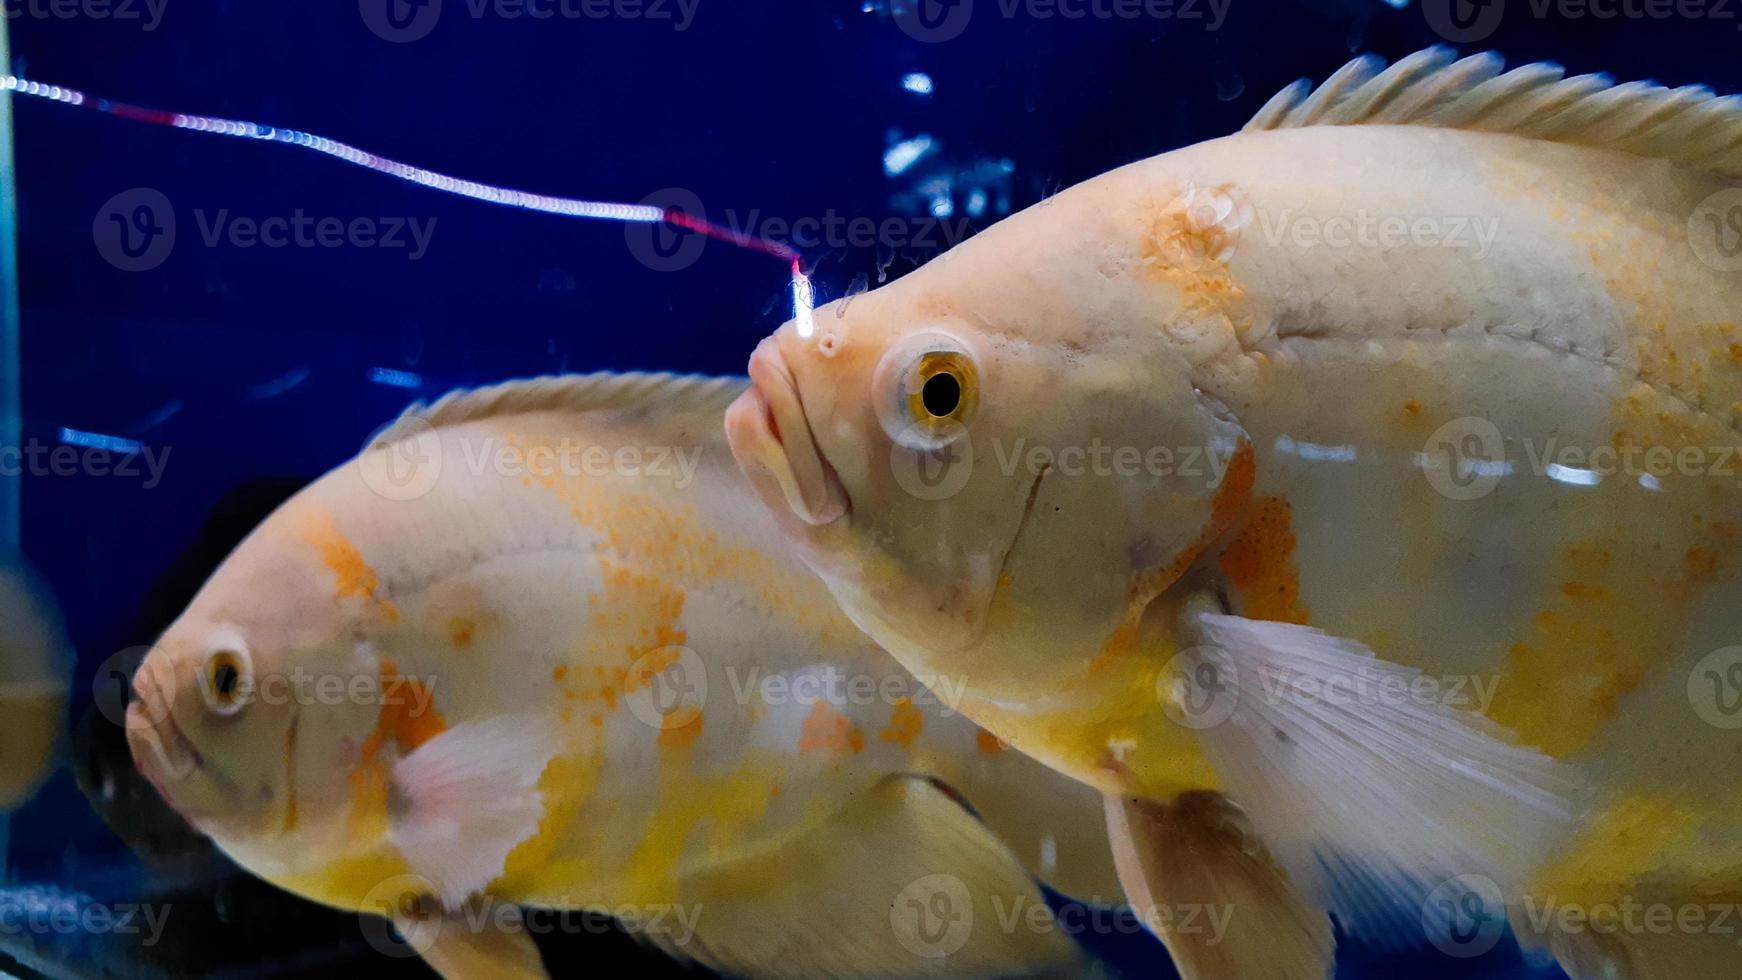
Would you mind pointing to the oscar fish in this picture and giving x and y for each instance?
(1370, 469)
(540, 647)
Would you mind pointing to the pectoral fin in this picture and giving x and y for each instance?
(1225, 910)
(465, 799)
(490, 945)
(1371, 793)
(902, 882)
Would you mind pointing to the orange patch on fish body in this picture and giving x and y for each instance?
(829, 732)
(988, 742)
(354, 576)
(1260, 565)
(905, 724)
(681, 728)
(462, 631)
(1231, 500)
(399, 722)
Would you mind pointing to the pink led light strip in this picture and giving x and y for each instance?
(569, 206)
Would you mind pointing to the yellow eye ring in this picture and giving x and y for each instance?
(943, 387)
(228, 673)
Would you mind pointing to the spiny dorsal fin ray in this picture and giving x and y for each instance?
(1687, 125)
(601, 391)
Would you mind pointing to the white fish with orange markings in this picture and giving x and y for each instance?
(1192, 468)
(517, 653)
(36, 665)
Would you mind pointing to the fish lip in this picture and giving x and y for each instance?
(164, 756)
(159, 746)
(770, 435)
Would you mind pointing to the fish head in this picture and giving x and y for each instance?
(241, 711)
(987, 480)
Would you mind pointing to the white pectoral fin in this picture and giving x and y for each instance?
(1375, 793)
(459, 946)
(1225, 910)
(465, 799)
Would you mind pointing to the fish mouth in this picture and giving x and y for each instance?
(161, 750)
(771, 438)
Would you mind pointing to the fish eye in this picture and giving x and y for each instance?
(941, 394)
(931, 388)
(228, 677)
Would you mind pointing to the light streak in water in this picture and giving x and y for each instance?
(490, 193)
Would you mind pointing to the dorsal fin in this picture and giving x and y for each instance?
(601, 391)
(1688, 125)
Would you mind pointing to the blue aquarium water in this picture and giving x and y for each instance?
(223, 320)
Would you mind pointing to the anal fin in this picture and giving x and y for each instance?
(1225, 910)
(477, 946)
(902, 882)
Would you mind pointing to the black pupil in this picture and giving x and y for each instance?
(224, 679)
(941, 394)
